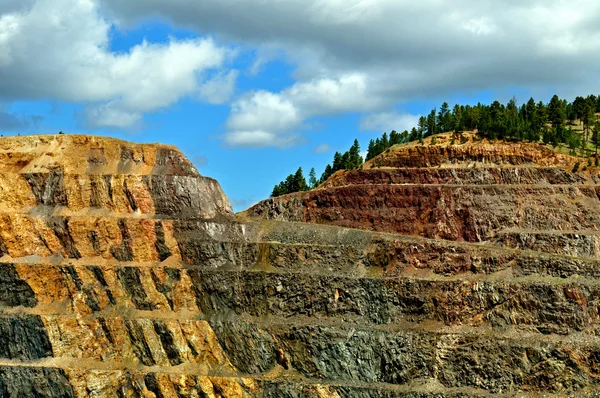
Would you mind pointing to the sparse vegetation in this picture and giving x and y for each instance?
(293, 183)
(350, 159)
(572, 127)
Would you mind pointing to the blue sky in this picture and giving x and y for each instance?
(251, 90)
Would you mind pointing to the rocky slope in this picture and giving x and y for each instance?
(510, 194)
(124, 273)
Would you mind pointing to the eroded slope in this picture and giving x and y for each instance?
(510, 194)
(129, 277)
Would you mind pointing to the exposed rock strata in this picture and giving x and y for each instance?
(127, 275)
(511, 194)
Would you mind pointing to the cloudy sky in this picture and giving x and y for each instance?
(252, 89)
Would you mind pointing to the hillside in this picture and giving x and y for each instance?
(477, 191)
(126, 274)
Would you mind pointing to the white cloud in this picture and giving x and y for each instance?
(324, 96)
(411, 36)
(256, 138)
(348, 56)
(260, 138)
(276, 117)
(220, 88)
(263, 111)
(59, 49)
(370, 55)
(322, 148)
(388, 121)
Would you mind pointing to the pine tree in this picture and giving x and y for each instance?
(431, 124)
(404, 136)
(299, 183)
(278, 190)
(312, 179)
(497, 127)
(596, 135)
(385, 144)
(355, 160)
(422, 128)
(444, 119)
(371, 150)
(290, 184)
(588, 118)
(573, 141)
(337, 162)
(541, 116)
(556, 112)
(414, 135)
(579, 107)
(529, 110)
(394, 138)
(475, 117)
(512, 120)
(571, 115)
(457, 115)
(484, 123)
(328, 172)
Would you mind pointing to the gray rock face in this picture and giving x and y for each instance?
(24, 338)
(16, 382)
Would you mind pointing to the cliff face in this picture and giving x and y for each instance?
(92, 290)
(509, 194)
(124, 273)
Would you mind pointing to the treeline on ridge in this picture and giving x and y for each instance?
(551, 123)
(296, 182)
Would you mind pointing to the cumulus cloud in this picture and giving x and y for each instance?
(259, 138)
(263, 118)
(395, 50)
(414, 39)
(361, 56)
(60, 49)
(263, 111)
(387, 121)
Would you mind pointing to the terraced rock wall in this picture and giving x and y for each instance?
(492, 277)
(135, 280)
(510, 194)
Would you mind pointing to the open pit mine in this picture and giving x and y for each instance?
(467, 268)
